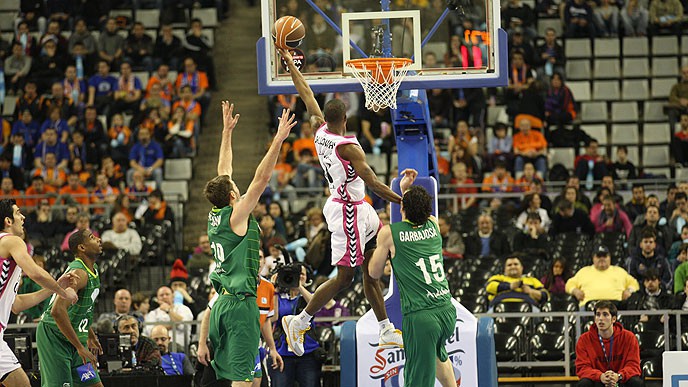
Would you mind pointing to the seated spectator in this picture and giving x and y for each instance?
(609, 184)
(138, 48)
(666, 17)
(167, 85)
(40, 226)
(95, 136)
(499, 180)
(591, 165)
(48, 67)
(56, 122)
(571, 220)
(268, 233)
(653, 296)
(520, 41)
(36, 191)
(452, 242)
(64, 226)
(574, 196)
(83, 36)
(606, 18)
(111, 44)
(128, 95)
(67, 108)
(678, 98)
(462, 138)
(376, 134)
(533, 237)
(531, 204)
(155, 99)
(120, 140)
(201, 259)
(623, 169)
(147, 353)
(103, 194)
(101, 88)
(681, 272)
(528, 177)
(112, 171)
(197, 80)
(17, 67)
(647, 256)
(52, 175)
(634, 17)
(199, 47)
(560, 106)
(611, 219)
(460, 178)
(146, 156)
(486, 241)
(518, 15)
(549, 56)
(83, 221)
(530, 146)
(500, 146)
(173, 363)
(140, 303)
(578, 19)
(122, 237)
(663, 233)
(168, 48)
(7, 170)
(53, 33)
(591, 366)
(74, 89)
(601, 280)
(636, 206)
(674, 249)
(679, 216)
(169, 311)
(157, 211)
(179, 279)
(555, 278)
(513, 286)
(28, 41)
(679, 142)
(122, 304)
(138, 191)
(27, 127)
(179, 140)
(74, 190)
(84, 63)
(469, 106)
(520, 77)
(7, 191)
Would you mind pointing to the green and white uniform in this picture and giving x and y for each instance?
(429, 316)
(234, 319)
(57, 357)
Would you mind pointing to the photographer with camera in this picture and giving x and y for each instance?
(291, 299)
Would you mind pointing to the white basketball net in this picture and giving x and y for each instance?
(380, 86)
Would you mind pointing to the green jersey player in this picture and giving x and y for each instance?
(67, 345)
(415, 246)
(235, 240)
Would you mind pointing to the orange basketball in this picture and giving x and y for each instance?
(287, 32)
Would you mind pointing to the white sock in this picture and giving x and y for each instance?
(383, 324)
(304, 318)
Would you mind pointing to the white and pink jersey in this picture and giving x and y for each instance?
(345, 184)
(10, 275)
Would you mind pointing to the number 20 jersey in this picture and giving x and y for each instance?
(81, 313)
(345, 184)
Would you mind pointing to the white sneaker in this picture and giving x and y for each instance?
(294, 333)
(391, 338)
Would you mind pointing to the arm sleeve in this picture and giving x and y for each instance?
(631, 353)
(584, 362)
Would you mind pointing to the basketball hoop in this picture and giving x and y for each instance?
(380, 78)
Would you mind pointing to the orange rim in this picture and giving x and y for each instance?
(379, 67)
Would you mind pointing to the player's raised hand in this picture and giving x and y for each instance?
(229, 119)
(408, 179)
(286, 55)
(286, 122)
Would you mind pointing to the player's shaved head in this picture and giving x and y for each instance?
(335, 112)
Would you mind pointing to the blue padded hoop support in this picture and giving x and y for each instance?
(347, 354)
(485, 346)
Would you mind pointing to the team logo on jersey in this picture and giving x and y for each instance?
(264, 300)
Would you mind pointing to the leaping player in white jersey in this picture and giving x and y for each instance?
(14, 257)
(351, 220)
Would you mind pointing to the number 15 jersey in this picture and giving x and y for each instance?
(81, 313)
(418, 266)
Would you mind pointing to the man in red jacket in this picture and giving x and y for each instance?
(607, 354)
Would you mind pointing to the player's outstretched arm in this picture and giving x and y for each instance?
(354, 154)
(245, 206)
(304, 90)
(59, 313)
(376, 267)
(17, 249)
(229, 121)
(25, 301)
